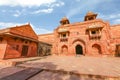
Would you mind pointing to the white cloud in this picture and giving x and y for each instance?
(26, 3)
(57, 4)
(78, 0)
(38, 30)
(113, 18)
(49, 10)
(17, 13)
(31, 6)
(4, 25)
(110, 16)
(83, 6)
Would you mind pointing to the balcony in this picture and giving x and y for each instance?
(64, 39)
(95, 36)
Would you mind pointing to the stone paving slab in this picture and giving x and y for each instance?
(46, 75)
(82, 65)
(22, 75)
(6, 63)
(49, 75)
(1, 66)
(9, 71)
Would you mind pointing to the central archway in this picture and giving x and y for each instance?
(79, 49)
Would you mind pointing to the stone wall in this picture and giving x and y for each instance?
(3, 44)
(46, 38)
(44, 49)
(14, 47)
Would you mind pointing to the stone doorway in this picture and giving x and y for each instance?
(79, 50)
(117, 50)
(24, 50)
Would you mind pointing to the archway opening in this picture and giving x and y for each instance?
(79, 50)
(117, 54)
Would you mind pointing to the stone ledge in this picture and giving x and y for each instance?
(7, 63)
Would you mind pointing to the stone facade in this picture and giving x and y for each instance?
(18, 41)
(92, 37)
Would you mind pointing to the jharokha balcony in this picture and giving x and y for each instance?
(94, 36)
(64, 39)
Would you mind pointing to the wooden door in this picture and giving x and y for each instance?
(24, 50)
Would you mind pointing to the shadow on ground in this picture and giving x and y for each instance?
(50, 72)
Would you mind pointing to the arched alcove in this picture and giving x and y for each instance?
(64, 49)
(96, 49)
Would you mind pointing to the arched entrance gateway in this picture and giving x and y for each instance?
(79, 50)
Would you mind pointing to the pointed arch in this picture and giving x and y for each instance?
(80, 40)
(64, 49)
(96, 49)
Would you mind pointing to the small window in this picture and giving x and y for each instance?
(64, 35)
(17, 47)
(117, 50)
(63, 23)
(1, 39)
(90, 18)
(93, 32)
(26, 42)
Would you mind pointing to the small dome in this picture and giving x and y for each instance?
(64, 19)
(90, 13)
(90, 16)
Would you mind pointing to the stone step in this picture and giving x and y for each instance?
(14, 62)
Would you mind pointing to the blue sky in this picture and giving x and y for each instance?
(44, 15)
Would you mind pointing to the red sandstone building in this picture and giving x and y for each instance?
(93, 37)
(18, 41)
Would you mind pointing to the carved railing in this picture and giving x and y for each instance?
(64, 39)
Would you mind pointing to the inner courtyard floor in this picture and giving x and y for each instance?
(64, 68)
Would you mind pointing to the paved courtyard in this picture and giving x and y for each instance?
(64, 68)
(79, 64)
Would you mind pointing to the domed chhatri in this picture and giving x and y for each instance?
(64, 21)
(64, 18)
(90, 16)
(89, 13)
